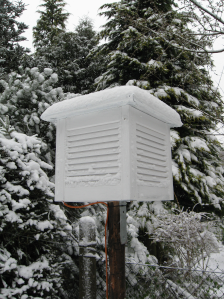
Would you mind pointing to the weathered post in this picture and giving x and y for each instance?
(87, 260)
(117, 287)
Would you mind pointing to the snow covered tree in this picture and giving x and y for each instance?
(34, 232)
(137, 34)
(25, 96)
(87, 68)
(144, 48)
(68, 57)
(51, 22)
(11, 52)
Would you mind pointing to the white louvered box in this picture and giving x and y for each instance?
(113, 145)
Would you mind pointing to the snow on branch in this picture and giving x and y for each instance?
(189, 235)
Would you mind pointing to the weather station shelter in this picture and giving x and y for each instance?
(113, 145)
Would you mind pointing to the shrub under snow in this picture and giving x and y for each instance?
(33, 230)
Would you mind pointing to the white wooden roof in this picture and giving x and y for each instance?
(111, 98)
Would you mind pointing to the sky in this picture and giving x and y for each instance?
(78, 9)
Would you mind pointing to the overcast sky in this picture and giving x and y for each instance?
(78, 9)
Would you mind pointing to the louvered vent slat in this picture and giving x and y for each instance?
(95, 171)
(82, 166)
(154, 165)
(92, 129)
(143, 150)
(91, 141)
(93, 155)
(152, 146)
(150, 162)
(93, 135)
(93, 160)
(151, 172)
(144, 156)
(151, 156)
(91, 147)
(150, 132)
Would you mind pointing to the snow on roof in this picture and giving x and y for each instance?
(112, 98)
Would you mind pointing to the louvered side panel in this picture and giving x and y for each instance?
(151, 157)
(93, 155)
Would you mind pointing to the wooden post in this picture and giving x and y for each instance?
(87, 260)
(117, 286)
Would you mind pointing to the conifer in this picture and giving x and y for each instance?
(51, 22)
(26, 94)
(144, 48)
(11, 30)
(34, 232)
(68, 57)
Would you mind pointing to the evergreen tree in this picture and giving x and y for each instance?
(11, 52)
(68, 57)
(34, 232)
(51, 22)
(25, 96)
(144, 48)
(88, 68)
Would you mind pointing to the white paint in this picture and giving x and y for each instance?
(112, 98)
(113, 145)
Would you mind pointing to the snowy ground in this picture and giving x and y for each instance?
(216, 261)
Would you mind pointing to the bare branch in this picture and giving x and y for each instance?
(207, 11)
(207, 34)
